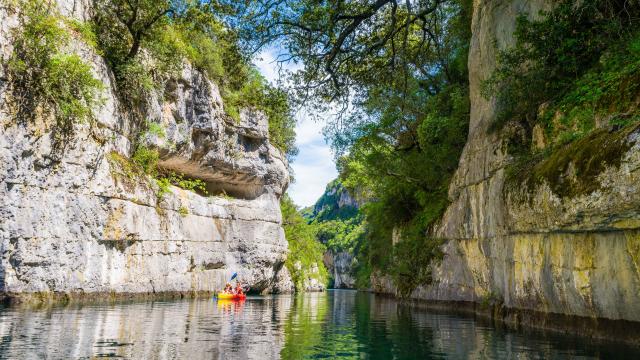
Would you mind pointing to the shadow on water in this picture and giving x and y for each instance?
(339, 324)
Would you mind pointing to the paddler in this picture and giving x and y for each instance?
(228, 289)
(239, 288)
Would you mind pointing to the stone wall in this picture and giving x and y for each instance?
(518, 244)
(81, 223)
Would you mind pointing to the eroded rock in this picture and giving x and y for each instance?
(84, 225)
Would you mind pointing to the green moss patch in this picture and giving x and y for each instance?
(573, 169)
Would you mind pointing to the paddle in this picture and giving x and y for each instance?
(235, 274)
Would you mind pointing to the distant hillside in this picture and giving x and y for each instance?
(335, 203)
(340, 227)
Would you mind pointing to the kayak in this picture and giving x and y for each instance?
(231, 296)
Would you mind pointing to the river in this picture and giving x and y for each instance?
(338, 324)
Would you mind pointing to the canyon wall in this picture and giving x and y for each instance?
(526, 245)
(81, 221)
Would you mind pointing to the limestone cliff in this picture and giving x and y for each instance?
(524, 245)
(82, 224)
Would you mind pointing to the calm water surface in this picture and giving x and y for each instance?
(335, 324)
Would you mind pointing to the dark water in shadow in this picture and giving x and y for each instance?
(336, 324)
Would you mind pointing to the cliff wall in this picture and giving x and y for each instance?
(82, 223)
(524, 245)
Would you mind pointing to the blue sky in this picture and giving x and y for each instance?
(314, 167)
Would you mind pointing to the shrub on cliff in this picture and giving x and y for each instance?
(145, 43)
(45, 79)
(581, 60)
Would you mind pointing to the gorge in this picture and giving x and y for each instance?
(486, 167)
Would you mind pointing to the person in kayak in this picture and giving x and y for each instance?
(228, 289)
(239, 289)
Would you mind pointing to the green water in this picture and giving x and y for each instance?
(332, 325)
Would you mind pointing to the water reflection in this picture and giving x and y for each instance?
(193, 329)
(337, 324)
(353, 325)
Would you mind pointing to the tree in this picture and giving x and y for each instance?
(399, 68)
(352, 48)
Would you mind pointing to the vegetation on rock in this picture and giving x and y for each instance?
(581, 60)
(147, 42)
(572, 71)
(46, 80)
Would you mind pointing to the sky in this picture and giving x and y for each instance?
(313, 167)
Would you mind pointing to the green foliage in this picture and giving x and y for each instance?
(282, 125)
(186, 183)
(86, 32)
(578, 60)
(164, 187)
(346, 44)
(413, 262)
(147, 159)
(183, 211)
(44, 80)
(156, 130)
(122, 165)
(340, 235)
(170, 32)
(305, 253)
(407, 179)
(328, 207)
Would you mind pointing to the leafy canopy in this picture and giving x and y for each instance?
(396, 72)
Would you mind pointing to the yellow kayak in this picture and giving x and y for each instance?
(224, 296)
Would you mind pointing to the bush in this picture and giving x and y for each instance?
(578, 59)
(414, 258)
(43, 79)
(86, 32)
(147, 159)
(164, 187)
(183, 182)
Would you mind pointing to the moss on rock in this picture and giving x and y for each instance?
(573, 169)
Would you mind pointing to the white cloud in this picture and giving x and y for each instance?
(266, 62)
(313, 167)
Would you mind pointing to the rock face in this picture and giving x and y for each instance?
(83, 224)
(340, 267)
(524, 245)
